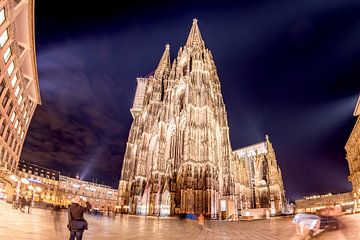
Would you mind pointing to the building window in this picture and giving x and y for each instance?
(11, 68)
(13, 117)
(2, 16)
(2, 86)
(25, 113)
(17, 90)
(20, 99)
(2, 128)
(7, 134)
(3, 38)
(10, 108)
(11, 140)
(14, 80)
(16, 123)
(6, 99)
(18, 132)
(7, 54)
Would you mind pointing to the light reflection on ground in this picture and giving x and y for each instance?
(46, 224)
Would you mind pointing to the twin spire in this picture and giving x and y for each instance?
(194, 39)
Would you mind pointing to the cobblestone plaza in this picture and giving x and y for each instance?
(46, 224)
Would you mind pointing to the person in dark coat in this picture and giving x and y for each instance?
(77, 223)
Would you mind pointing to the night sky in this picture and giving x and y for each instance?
(289, 69)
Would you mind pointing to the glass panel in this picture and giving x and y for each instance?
(14, 80)
(3, 38)
(17, 90)
(12, 117)
(20, 99)
(2, 86)
(11, 68)
(7, 55)
(2, 16)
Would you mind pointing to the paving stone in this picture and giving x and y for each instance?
(45, 224)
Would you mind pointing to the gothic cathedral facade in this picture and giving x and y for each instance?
(178, 157)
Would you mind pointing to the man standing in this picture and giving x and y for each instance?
(77, 224)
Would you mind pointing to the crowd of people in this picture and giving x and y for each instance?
(22, 203)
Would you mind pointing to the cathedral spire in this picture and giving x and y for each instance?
(164, 63)
(194, 37)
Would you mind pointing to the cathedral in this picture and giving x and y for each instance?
(178, 157)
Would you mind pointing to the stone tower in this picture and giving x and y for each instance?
(178, 156)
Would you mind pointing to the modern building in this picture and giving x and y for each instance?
(178, 157)
(264, 177)
(311, 204)
(19, 87)
(352, 148)
(100, 196)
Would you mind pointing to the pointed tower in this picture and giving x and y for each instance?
(178, 157)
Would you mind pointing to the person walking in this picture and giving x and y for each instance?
(77, 223)
(28, 204)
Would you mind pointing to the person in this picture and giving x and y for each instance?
(22, 203)
(201, 221)
(28, 204)
(77, 223)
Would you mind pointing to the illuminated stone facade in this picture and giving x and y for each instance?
(317, 202)
(178, 156)
(46, 186)
(100, 196)
(352, 148)
(264, 177)
(19, 88)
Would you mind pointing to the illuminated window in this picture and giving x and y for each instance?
(27, 120)
(2, 16)
(14, 80)
(19, 130)
(3, 38)
(16, 123)
(13, 116)
(25, 113)
(22, 107)
(11, 68)
(19, 100)
(22, 134)
(7, 54)
(17, 90)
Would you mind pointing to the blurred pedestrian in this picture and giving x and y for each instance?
(77, 223)
(22, 203)
(201, 221)
(28, 204)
